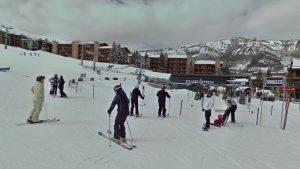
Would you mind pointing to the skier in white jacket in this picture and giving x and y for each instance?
(38, 99)
(207, 109)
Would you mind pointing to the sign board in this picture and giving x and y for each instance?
(274, 81)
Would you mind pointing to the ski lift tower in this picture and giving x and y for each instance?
(95, 54)
(6, 34)
(141, 61)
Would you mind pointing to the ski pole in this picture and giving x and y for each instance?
(129, 130)
(169, 107)
(109, 132)
(46, 111)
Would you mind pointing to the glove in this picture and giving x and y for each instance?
(202, 108)
(109, 113)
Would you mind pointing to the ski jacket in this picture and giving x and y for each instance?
(54, 81)
(61, 83)
(38, 91)
(136, 93)
(162, 94)
(230, 102)
(210, 103)
(121, 101)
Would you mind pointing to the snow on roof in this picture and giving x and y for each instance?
(205, 62)
(169, 56)
(105, 47)
(296, 64)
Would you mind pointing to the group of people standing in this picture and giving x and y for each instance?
(57, 82)
(122, 101)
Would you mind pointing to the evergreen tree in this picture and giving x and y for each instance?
(269, 72)
(225, 70)
(112, 53)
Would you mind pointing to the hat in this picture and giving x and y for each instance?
(163, 87)
(39, 78)
(137, 86)
(117, 87)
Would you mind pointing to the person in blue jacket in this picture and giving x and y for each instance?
(122, 101)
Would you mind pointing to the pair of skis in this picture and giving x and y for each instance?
(120, 142)
(40, 121)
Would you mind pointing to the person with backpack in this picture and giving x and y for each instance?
(54, 83)
(162, 94)
(135, 100)
(122, 102)
(38, 99)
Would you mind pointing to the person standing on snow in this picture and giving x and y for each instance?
(207, 109)
(38, 99)
(230, 110)
(122, 102)
(61, 86)
(162, 94)
(54, 83)
(135, 100)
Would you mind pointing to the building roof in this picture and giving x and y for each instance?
(205, 62)
(170, 56)
(296, 64)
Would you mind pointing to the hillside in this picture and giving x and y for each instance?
(274, 54)
(176, 142)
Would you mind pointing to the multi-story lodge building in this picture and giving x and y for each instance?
(78, 49)
(293, 77)
(183, 64)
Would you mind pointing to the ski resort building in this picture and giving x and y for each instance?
(183, 64)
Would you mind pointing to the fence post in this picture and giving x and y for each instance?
(257, 116)
(271, 110)
(180, 107)
(76, 86)
(93, 91)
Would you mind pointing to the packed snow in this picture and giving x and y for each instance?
(177, 142)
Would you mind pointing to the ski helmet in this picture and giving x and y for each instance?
(117, 87)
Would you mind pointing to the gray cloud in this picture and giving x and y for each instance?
(142, 24)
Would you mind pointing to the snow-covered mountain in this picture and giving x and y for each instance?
(252, 52)
(176, 142)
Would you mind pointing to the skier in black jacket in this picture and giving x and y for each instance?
(122, 102)
(135, 100)
(61, 86)
(162, 94)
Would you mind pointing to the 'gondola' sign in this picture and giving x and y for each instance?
(274, 81)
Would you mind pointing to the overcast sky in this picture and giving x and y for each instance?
(148, 24)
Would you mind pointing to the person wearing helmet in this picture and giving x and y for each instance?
(122, 102)
(38, 99)
(135, 100)
(162, 94)
(209, 104)
(61, 86)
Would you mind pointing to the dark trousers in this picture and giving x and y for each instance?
(53, 90)
(134, 103)
(231, 110)
(62, 93)
(162, 107)
(119, 127)
(207, 118)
